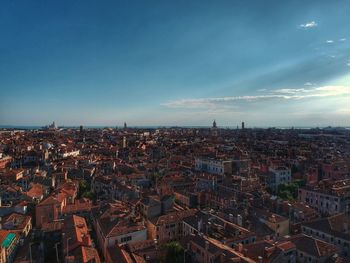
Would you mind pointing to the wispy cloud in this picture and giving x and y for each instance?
(309, 84)
(342, 39)
(282, 94)
(308, 25)
(330, 41)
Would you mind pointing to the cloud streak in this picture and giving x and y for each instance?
(308, 25)
(280, 94)
(309, 84)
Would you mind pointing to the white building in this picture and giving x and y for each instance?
(277, 176)
(73, 153)
(213, 166)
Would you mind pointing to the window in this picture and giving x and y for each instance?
(125, 239)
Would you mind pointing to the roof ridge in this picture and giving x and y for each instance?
(317, 247)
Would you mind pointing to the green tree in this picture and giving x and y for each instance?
(290, 191)
(85, 190)
(174, 252)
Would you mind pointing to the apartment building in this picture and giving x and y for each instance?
(213, 166)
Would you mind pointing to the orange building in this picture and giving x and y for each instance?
(168, 227)
(76, 240)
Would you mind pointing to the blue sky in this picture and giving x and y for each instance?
(268, 63)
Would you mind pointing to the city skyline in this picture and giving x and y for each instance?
(164, 63)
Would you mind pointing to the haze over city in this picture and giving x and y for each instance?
(268, 63)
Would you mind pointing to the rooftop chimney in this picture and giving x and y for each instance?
(206, 245)
(240, 247)
(345, 228)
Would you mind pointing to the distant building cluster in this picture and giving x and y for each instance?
(51, 126)
(212, 195)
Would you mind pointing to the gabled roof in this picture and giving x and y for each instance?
(51, 200)
(313, 246)
(173, 217)
(86, 254)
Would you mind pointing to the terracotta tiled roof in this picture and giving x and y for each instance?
(51, 200)
(36, 191)
(174, 216)
(313, 246)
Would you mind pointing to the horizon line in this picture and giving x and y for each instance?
(34, 127)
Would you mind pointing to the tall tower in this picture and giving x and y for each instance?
(125, 126)
(125, 143)
(242, 125)
(214, 129)
(214, 124)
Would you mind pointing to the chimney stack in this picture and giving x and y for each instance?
(345, 228)
(240, 247)
(206, 245)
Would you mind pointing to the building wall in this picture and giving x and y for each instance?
(213, 166)
(152, 210)
(131, 237)
(151, 230)
(280, 228)
(304, 257)
(46, 214)
(183, 199)
(2, 255)
(200, 254)
(164, 232)
(107, 241)
(277, 177)
(323, 203)
(342, 244)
